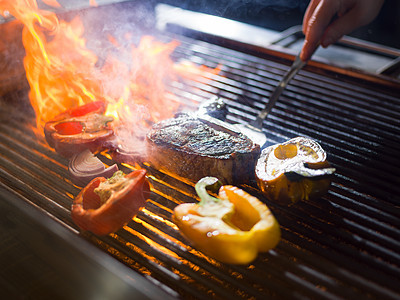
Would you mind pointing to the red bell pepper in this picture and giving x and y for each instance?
(77, 129)
(106, 205)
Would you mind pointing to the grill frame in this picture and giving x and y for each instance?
(339, 247)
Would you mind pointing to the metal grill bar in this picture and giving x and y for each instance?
(355, 150)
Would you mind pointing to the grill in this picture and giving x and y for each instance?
(344, 245)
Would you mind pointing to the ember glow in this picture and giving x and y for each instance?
(64, 73)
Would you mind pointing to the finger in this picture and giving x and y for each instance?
(306, 51)
(309, 12)
(320, 19)
(316, 26)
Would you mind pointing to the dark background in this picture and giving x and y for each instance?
(281, 14)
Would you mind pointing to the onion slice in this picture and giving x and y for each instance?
(85, 166)
(129, 154)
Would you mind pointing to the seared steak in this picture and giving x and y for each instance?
(193, 147)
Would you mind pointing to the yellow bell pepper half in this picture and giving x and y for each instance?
(232, 228)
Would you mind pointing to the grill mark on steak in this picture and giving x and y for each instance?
(193, 147)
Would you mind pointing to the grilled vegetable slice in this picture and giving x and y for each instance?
(294, 170)
(84, 167)
(232, 228)
(106, 205)
(77, 129)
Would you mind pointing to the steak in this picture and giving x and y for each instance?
(193, 146)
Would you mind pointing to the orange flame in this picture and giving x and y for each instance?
(63, 73)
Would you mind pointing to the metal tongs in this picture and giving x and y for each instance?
(297, 65)
(253, 129)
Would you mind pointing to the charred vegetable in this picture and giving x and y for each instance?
(106, 205)
(84, 167)
(293, 171)
(84, 127)
(232, 228)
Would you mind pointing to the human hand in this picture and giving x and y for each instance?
(319, 28)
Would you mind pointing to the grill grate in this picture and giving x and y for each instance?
(345, 245)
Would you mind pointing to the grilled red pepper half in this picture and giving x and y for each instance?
(106, 205)
(77, 129)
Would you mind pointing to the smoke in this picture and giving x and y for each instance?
(280, 5)
(272, 14)
(231, 7)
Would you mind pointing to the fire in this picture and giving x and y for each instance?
(64, 73)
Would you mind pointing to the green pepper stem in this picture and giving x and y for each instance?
(207, 184)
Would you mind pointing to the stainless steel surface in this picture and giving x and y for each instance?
(348, 53)
(214, 25)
